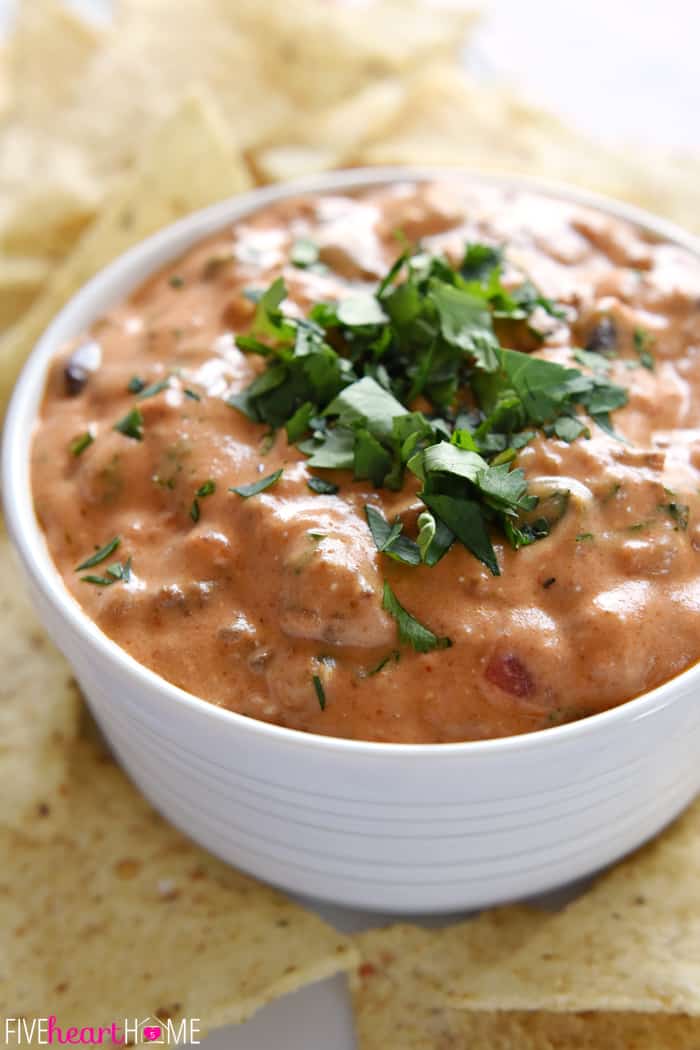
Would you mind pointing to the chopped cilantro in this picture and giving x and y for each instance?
(342, 381)
(434, 538)
(135, 385)
(192, 394)
(304, 253)
(394, 656)
(568, 428)
(411, 632)
(643, 342)
(320, 692)
(80, 443)
(131, 425)
(115, 572)
(389, 539)
(255, 487)
(205, 489)
(321, 486)
(176, 281)
(100, 555)
(154, 388)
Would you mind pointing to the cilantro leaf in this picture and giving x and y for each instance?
(367, 403)
(304, 253)
(480, 261)
(131, 425)
(320, 692)
(434, 538)
(360, 310)
(465, 321)
(255, 487)
(388, 538)
(465, 519)
(321, 486)
(100, 555)
(643, 342)
(411, 632)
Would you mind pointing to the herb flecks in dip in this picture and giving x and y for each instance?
(418, 464)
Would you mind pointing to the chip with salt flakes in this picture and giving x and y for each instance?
(321, 140)
(45, 216)
(319, 52)
(121, 916)
(38, 712)
(631, 943)
(169, 181)
(401, 990)
(46, 53)
(449, 119)
(20, 281)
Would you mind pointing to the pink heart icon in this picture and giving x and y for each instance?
(150, 1034)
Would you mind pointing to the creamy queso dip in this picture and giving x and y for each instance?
(271, 604)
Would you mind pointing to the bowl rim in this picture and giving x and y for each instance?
(165, 246)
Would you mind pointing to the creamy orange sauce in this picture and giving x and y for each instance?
(243, 607)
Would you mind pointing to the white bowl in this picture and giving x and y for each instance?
(392, 827)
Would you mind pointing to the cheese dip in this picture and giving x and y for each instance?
(417, 464)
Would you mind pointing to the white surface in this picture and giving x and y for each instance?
(622, 71)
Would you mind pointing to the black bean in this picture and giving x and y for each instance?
(75, 378)
(84, 360)
(603, 337)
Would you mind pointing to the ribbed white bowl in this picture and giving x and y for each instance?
(380, 826)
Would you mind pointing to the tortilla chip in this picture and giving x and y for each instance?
(630, 943)
(20, 282)
(187, 164)
(203, 46)
(47, 52)
(321, 141)
(122, 916)
(320, 53)
(6, 86)
(399, 996)
(38, 711)
(47, 214)
(448, 119)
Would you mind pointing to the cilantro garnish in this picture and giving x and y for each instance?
(304, 253)
(80, 443)
(343, 381)
(246, 491)
(154, 388)
(411, 632)
(131, 425)
(100, 555)
(205, 489)
(388, 538)
(321, 486)
(394, 656)
(643, 342)
(113, 573)
(320, 692)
